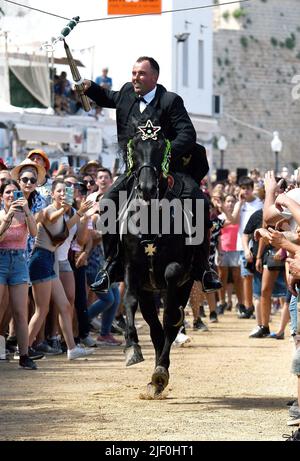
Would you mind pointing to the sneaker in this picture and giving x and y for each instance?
(26, 363)
(121, 322)
(202, 311)
(31, 353)
(295, 437)
(79, 352)
(181, 339)
(88, 341)
(55, 343)
(240, 308)
(213, 317)
(254, 331)
(276, 336)
(96, 324)
(34, 355)
(118, 327)
(221, 308)
(46, 349)
(261, 332)
(11, 344)
(247, 313)
(199, 325)
(108, 340)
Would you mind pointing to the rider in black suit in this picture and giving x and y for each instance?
(139, 99)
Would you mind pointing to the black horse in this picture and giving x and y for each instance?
(154, 261)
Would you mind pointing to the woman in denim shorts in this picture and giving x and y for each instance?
(16, 222)
(45, 282)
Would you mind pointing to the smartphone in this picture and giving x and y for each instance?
(18, 194)
(69, 195)
(64, 161)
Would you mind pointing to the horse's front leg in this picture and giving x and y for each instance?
(132, 350)
(173, 318)
(149, 312)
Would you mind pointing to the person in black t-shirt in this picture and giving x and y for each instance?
(264, 279)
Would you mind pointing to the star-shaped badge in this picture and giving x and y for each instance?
(150, 249)
(149, 131)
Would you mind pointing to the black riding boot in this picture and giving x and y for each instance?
(202, 271)
(108, 274)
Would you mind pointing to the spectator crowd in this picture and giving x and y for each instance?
(51, 251)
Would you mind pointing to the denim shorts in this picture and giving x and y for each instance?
(13, 267)
(41, 266)
(229, 258)
(279, 289)
(293, 308)
(244, 272)
(65, 266)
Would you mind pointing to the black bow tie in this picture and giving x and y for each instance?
(141, 99)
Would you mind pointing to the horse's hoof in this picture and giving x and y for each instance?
(133, 355)
(154, 391)
(160, 377)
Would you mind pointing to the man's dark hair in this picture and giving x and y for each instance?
(55, 182)
(246, 182)
(105, 170)
(154, 64)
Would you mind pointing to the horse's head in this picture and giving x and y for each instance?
(148, 159)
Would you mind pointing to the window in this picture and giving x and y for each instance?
(200, 64)
(185, 63)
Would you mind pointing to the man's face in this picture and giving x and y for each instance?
(38, 159)
(103, 181)
(247, 192)
(144, 78)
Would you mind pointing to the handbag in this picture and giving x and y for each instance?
(58, 239)
(274, 264)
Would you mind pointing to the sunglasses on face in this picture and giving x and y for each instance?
(25, 180)
(70, 184)
(91, 182)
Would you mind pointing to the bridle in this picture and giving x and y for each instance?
(158, 175)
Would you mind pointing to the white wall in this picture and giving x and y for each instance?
(118, 42)
(198, 101)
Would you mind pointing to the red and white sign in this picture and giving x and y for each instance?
(134, 6)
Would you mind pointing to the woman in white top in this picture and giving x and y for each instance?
(45, 282)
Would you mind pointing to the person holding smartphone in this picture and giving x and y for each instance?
(16, 222)
(43, 271)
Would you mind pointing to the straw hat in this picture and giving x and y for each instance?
(41, 172)
(42, 154)
(90, 163)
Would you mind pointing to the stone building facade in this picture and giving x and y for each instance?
(256, 64)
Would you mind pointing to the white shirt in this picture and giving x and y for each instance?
(148, 98)
(247, 210)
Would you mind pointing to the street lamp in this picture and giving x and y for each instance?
(222, 146)
(276, 146)
(180, 38)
